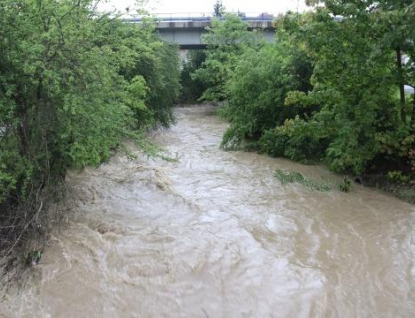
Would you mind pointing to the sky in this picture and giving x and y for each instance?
(206, 6)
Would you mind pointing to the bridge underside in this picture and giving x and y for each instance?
(192, 46)
(185, 38)
(188, 38)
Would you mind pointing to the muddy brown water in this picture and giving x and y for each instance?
(215, 234)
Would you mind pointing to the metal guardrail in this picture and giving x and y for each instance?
(199, 16)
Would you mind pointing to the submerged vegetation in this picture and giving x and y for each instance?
(73, 84)
(330, 89)
(286, 177)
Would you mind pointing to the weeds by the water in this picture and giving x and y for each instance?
(33, 257)
(148, 147)
(345, 185)
(291, 177)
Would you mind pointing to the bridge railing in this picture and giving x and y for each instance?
(200, 16)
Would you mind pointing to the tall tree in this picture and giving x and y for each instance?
(70, 92)
(225, 41)
(218, 9)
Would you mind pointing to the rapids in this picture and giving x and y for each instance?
(215, 234)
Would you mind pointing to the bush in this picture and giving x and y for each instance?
(345, 185)
(398, 177)
(295, 140)
(273, 142)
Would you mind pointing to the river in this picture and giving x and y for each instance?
(215, 234)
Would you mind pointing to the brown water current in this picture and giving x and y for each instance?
(215, 234)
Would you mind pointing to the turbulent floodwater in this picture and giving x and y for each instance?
(215, 234)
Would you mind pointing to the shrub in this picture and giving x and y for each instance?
(295, 140)
(398, 177)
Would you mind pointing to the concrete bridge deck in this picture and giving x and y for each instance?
(187, 31)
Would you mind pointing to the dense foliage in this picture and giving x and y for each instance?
(73, 84)
(330, 88)
(226, 40)
(192, 88)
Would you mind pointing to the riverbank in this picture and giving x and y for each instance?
(403, 191)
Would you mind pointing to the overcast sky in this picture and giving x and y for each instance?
(206, 6)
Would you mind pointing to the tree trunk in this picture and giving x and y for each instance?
(401, 83)
(413, 114)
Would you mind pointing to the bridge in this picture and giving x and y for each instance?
(186, 29)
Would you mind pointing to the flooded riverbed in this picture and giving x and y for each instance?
(215, 234)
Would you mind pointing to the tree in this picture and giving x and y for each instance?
(226, 40)
(330, 88)
(218, 9)
(192, 88)
(70, 92)
(258, 88)
(358, 75)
